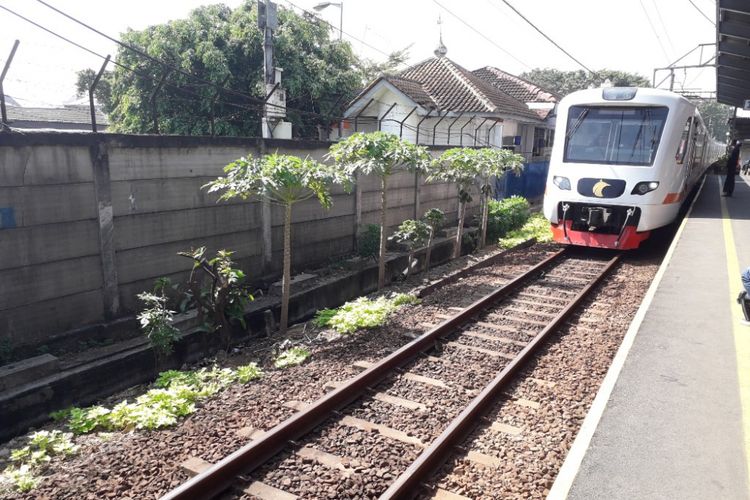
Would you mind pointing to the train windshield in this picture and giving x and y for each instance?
(614, 135)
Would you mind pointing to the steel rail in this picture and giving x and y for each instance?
(408, 484)
(222, 474)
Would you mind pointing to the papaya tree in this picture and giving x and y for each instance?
(493, 163)
(379, 154)
(283, 180)
(459, 166)
(434, 218)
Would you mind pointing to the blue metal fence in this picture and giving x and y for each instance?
(530, 184)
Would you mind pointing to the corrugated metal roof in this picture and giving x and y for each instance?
(70, 114)
(733, 52)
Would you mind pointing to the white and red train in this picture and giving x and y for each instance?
(623, 162)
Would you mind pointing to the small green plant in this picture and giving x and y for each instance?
(22, 478)
(30, 459)
(291, 357)
(174, 396)
(434, 218)
(413, 234)
(157, 320)
(362, 313)
(60, 415)
(368, 242)
(536, 227)
(506, 215)
(248, 373)
(224, 298)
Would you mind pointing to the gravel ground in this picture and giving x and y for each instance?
(146, 464)
(575, 360)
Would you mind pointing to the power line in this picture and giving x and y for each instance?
(125, 67)
(255, 108)
(702, 13)
(472, 28)
(664, 26)
(506, 2)
(653, 29)
(337, 29)
(155, 60)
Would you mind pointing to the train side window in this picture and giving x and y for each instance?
(682, 149)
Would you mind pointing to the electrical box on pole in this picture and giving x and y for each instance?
(274, 105)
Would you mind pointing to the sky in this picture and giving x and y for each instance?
(628, 35)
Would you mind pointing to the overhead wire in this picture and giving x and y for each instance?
(312, 14)
(664, 26)
(506, 2)
(166, 65)
(702, 13)
(653, 29)
(259, 103)
(472, 28)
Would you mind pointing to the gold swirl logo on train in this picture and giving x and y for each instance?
(599, 187)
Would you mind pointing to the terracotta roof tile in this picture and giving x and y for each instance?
(454, 88)
(516, 87)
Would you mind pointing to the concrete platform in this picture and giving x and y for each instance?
(668, 420)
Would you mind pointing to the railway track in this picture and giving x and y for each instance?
(462, 364)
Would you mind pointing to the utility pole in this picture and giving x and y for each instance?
(274, 105)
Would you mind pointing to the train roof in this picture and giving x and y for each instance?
(641, 95)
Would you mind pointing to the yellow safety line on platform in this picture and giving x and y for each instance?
(740, 331)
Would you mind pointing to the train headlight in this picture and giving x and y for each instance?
(561, 182)
(644, 187)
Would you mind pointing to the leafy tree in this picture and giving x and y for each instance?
(565, 82)
(412, 234)
(459, 166)
(715, 116)
(434, 218)
(103, 91)
(283, 180)
(370, 70)
(493, 162)
(225, 46)
(380, 154)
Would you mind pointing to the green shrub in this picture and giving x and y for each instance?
(506, 215)
(291, 357)
(536, 227)
(368, 241)
(362, 313)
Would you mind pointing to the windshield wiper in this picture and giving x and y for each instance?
(640, 131)
(577, 123)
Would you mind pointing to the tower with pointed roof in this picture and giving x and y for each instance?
(441, 49)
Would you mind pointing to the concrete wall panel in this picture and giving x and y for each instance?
(30, 284)
(34, 205)
(169, 163)
(23, 166)
(311, 210)
(159, 195)
(32, 324)
(158, 260)
(25, 246)
(135, 231)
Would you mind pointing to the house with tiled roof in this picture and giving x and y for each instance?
(74, 117)
(438, 102)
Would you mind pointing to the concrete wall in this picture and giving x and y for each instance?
(87, 221)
